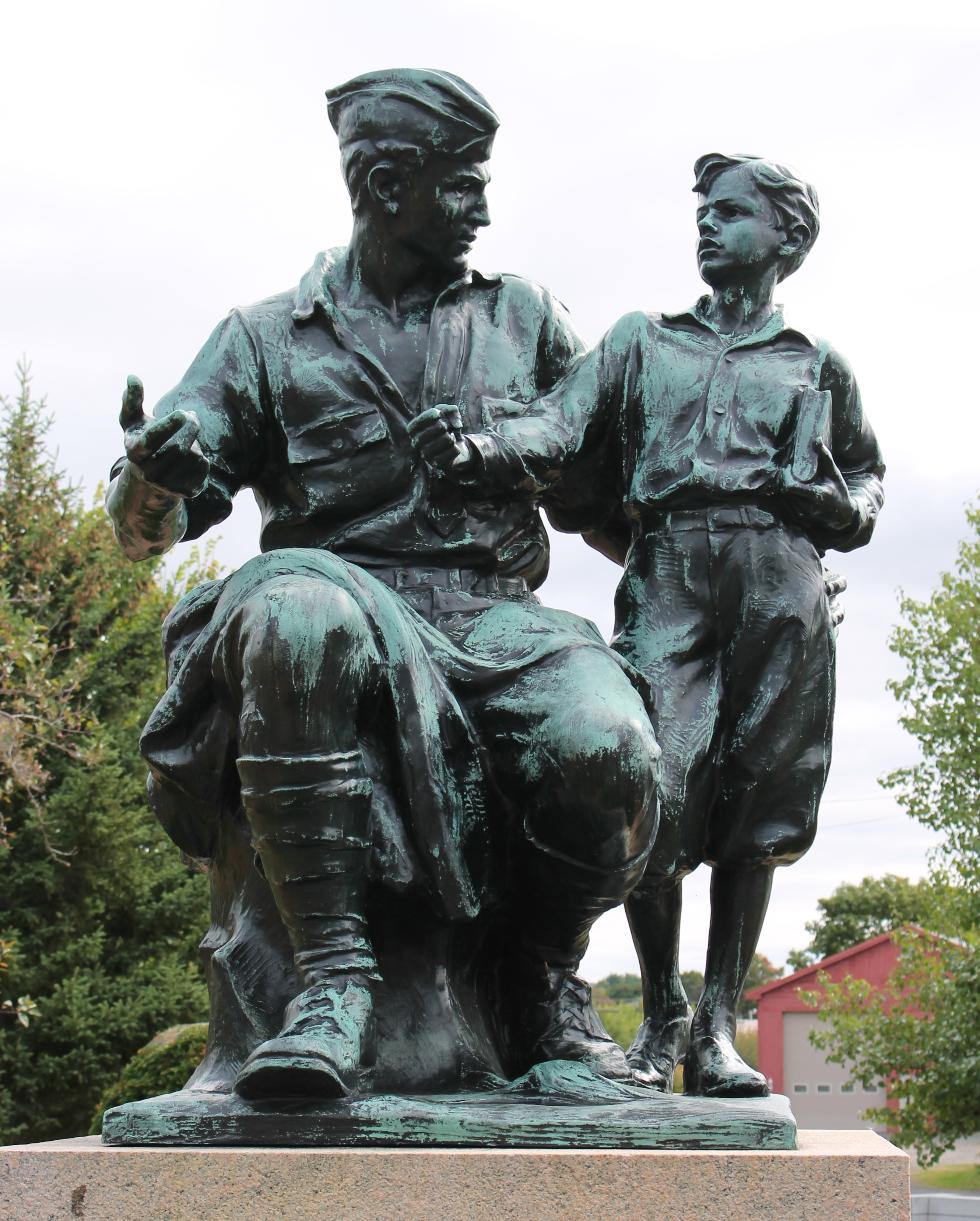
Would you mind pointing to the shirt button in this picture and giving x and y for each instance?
(337, 444)
(719, 411)
(729, 359)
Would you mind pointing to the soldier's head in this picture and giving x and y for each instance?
(414, 148)
(753, 216)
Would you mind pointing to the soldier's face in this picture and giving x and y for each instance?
(738, 234)
(442, 208)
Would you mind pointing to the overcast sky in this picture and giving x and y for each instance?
(163, 163)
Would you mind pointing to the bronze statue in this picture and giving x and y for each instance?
(380, 739)
(717, 453)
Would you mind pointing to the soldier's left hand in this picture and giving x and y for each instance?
(437, 435)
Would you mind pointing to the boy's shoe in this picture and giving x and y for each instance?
(657, 1050)
(714, 1069)
(326, 1038)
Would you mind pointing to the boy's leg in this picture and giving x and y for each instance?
(739, 899)
(778, 680)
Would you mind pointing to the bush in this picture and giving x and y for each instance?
(161, 1067)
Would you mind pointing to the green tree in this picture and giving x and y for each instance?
(859, 910)
(919, 1036)
(693, 982)
(761, 971)
(98, 914)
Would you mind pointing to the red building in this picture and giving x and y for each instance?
(817, 1090)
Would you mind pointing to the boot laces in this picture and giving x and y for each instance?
(570, 1009)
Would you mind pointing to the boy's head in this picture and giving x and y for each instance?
(753, 214)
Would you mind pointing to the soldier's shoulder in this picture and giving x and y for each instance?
(269, 309)
(520, 288)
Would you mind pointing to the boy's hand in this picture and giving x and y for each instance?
(834, 585)
(165, 452)
(827, 498)
(437, 435)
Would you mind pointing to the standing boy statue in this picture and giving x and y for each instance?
(717, 453)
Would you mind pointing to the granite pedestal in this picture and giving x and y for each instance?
(853, 1175)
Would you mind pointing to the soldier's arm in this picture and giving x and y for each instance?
(184, 463)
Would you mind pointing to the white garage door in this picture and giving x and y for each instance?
(816, 1089)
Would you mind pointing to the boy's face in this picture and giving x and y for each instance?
(738, 235)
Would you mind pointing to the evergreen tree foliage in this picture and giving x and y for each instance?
(99, 917)
(919, 1035)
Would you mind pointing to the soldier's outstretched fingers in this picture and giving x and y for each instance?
(142, 442)
(131, 414)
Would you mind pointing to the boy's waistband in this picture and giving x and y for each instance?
(718, 517)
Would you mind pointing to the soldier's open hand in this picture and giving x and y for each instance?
(437, 435)
(164, 451)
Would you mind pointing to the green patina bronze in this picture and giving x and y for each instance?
(416, 787)
(393, 757)
(717, 454)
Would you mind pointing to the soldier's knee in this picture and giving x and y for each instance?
(614, 756)
(300, 623)
(607, 794)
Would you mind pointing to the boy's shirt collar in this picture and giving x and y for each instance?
(771, 329)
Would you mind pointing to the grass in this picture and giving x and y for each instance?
(948, 1178)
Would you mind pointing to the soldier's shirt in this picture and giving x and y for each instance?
(667, 413)
(293, 405)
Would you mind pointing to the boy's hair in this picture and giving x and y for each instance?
(793, 200)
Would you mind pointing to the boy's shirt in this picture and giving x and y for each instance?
(666, 414)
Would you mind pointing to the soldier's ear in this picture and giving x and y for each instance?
(384, 187)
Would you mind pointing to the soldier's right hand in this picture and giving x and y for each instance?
(166, 451)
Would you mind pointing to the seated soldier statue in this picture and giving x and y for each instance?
(377, 710)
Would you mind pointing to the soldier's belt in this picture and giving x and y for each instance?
(463, 580)
(720, 517)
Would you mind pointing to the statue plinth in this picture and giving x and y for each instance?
(855, 1174)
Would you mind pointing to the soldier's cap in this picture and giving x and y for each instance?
(432, 110)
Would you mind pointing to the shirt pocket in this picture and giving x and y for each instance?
(340, 435)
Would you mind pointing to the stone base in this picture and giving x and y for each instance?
(852, 1175)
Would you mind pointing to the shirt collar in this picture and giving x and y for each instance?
(772, 328)
(312, 290)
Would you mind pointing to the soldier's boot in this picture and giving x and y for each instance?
(310, 821)
(562, 900)
(654, 914)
